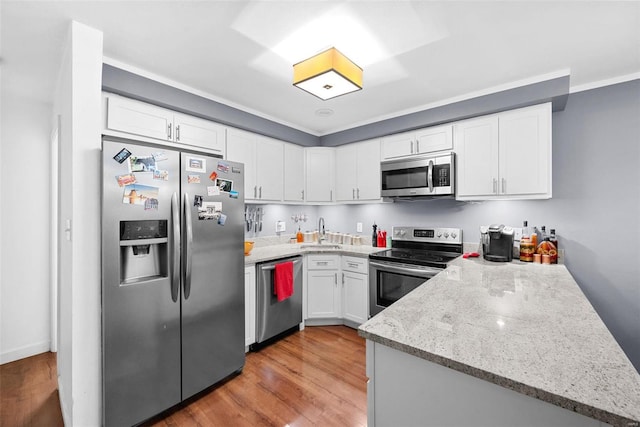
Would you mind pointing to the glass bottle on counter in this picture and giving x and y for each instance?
(374, 237)
(299, 236)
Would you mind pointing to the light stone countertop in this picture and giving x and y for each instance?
(275, 251)
(527, 327)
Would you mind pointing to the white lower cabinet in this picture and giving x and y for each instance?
(337, 290)
(249, 305)
(323, 295)
(355, 289)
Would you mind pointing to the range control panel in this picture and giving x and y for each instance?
(427, 234)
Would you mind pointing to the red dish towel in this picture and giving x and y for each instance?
(283, 280)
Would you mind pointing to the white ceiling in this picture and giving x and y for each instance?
(421, 53)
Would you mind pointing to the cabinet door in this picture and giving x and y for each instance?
(319, 167)
(395, 146)
(249, 305)
(368, 167)
(476, 148)
(525, 151)
(241, 147)
(293, 173)
(269, 169)
(323, 294)
(355, 296)
(199, 132)
(346, 172)
(432, 139)
(138, 118)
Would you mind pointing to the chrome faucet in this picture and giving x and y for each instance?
(321, 234)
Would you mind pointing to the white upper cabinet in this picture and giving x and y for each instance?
(427, 140)
(476, 148)
(358, 171)
(319, 171)
(525, 151)
(146, 120)
(293, 173)
(263, 160)
(505, 155)
(199, 132)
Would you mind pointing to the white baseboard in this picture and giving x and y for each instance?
(26, 351)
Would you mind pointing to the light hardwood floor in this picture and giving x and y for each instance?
(314, 377)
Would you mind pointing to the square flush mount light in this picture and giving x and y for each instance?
(327, 75)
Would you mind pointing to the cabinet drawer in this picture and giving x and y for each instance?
(355, 264)
(323, 262)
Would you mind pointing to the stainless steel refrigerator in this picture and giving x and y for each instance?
(172, 276)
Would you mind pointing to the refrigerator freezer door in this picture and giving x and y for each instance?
(140, 319)
(213, 307)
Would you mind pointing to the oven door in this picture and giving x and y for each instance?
(390, 281)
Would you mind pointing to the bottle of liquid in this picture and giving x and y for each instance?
(299, 236)
(543, 233)
(554, 239)
(374, 238)
(527, 249)
(526, 232)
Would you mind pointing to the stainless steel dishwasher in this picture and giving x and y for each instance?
(273, 317)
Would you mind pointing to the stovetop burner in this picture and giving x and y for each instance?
(413, 256)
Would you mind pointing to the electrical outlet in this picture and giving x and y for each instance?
(280, 226)
(359, 227)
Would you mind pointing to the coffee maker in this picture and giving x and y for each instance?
(497, 243)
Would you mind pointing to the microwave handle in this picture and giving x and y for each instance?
(430, 176)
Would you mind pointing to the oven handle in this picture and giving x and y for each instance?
(423, 271)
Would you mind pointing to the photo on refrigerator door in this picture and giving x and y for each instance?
(142, 164)
(209, 211)
(144, 195)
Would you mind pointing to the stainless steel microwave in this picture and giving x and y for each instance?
(424, 176)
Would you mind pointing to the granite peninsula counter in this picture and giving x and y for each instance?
(523, 327)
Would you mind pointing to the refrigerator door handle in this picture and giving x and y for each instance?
(175, 248)
(187, 250)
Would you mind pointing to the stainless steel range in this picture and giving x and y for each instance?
(416, 255)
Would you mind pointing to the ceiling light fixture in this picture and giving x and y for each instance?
(327, 75)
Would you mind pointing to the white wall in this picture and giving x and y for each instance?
(24, 197)
(78, 103)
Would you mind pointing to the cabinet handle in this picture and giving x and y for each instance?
(331, 195)
(358, 193)
(343, 279)
(255, 191)
(169, 131)
(495, 186)
(302, 198)
(352, 265)
(260, 192)
(322, 263)
(353, 193)
(504, 185)
(178, 133)
(417, 146)
(411, 147)
(335, 279)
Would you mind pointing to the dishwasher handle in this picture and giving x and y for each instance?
(267, 267)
